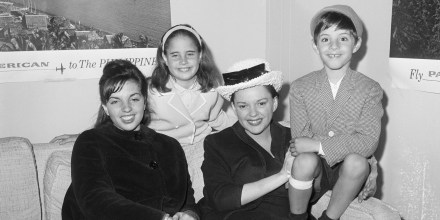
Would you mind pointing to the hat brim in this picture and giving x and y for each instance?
(273, 78)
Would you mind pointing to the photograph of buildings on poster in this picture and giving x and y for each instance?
(415, 30)
(29, 25)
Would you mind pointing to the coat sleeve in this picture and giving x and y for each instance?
(219, 119)
(220, 190)
(299, 120)
(94, 191)
(366, 134)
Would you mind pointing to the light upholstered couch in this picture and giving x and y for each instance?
(35, 177)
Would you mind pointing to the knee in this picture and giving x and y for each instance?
(355, 166)
(305, 165)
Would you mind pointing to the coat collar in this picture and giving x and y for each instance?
(334, 106)
(174, 91)
(143, 134)
(277, 132)
(173, 100)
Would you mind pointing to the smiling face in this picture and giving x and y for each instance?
(182, 58)
(336, 47)
(254, 108)
(126, 107)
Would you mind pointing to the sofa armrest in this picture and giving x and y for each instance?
(19, 194)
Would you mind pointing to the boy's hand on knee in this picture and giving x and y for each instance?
(370, 186)
(369, 189)
(292, 148)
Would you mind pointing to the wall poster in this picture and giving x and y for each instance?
(415, 45)
(56, 40)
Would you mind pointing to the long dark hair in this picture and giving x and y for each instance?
(208, 75)
(114, 76)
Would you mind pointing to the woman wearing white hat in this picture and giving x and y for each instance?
(245, 167)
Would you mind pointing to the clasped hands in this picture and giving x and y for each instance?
(297, 146)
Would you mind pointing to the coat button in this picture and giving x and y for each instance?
(153, 165)
(331, 133)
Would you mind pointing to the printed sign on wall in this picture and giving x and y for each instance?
(415, 46)
(416, 74)
(63, 65)
(71, 39)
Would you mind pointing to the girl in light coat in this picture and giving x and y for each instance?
(183, 101)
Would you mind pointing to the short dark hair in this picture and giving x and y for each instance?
(114, 76)
(332, 18)
(269, 88)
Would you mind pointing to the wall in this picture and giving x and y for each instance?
(43, 110)
(409, 145)
(234, 30)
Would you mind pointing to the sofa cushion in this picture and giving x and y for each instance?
(56, 181)
(370, 209)
(19, 193)
(42, 152)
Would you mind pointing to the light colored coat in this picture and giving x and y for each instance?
(350, 123)
(170, 116)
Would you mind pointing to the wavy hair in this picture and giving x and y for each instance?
(208, 75)
(114, 76)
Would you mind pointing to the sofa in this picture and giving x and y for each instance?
(35, 177)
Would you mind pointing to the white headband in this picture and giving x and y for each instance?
(179, 27)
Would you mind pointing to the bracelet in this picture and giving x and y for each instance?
(166, 217)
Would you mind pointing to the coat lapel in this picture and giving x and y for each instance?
(343, 95)
(176, 103)
(199, 102)
(278, 137)
(241, 133)
(325, 96)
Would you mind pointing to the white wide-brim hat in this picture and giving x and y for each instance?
(249, 73)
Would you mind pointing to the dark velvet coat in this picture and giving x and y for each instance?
(127, 175)
(232, 160)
